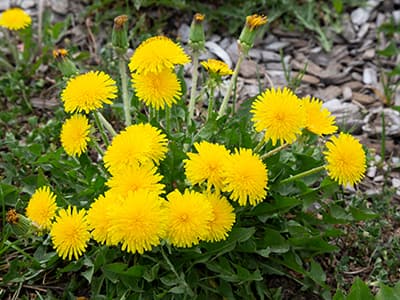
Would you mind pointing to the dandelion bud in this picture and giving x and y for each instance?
(20, 225)
(250, 30)
(120, 34)
(196, 35)
(64, 64)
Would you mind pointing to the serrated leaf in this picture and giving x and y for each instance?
(359, 291)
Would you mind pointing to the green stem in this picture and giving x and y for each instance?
(124, 87)
(224, 104)
(210, 102)
(101, 129)
(106, 124)
(97, 146)
(303, 174)
(274, 151)
(259, 146)
(195, 76)
(168, 119)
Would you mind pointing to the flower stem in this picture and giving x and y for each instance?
(124, 87)
(195, 75)
(105, 123)
(97, 146)
(303, 174)
(210, 102)
(274, 151)
(224, 104)
(259, 146)
(168, 119)
(101, 129)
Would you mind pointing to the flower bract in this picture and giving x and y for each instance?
(280, 114)
(75, 135)
(88, 92)
(70, 233)
(42, 208)
(318, 119)
(346, 161)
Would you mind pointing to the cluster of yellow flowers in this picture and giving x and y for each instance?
(135, 213)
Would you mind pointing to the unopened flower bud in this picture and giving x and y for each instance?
(250, 30)
(64, 64)
(120, 34)
(20, 225)
(196, 35)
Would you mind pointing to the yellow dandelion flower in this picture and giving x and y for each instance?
(139, 143)
(280, 114)
(223, 218)
(157, 89)
(246, 177)
(98, 216)
(156, 54)
(75, 135)
(318, 119)
(255, 21)
(42, 208)
(15, 19)
(133, 178)
(138, 223)
(70, 233)
(216, 67)
(346, 161)
(88, 92)
(189, 215)
(207, 165)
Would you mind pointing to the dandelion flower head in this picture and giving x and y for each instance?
(42, 208)
(88, 92)
(156, 54)
(188, 215)
(139, 143)
(136, 177)
(255, 21)
(318, 119)
(138, 223)
(157, 89)
(75, 135)
(279, 112)
(70, 233)
(217, 67)
(207, 165)
(223, 218)
(246, 177)
(346, 161)
(15, 19)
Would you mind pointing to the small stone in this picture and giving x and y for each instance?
(60, 7)
(347, 93)
(276, 46)
(354, 85)
(396, 183)
(379, 178)
(397, 97)
(215, 38)
(233, 51)
(359, 15)
(373, 122)
(363, 31)
(274, 66)
(371, 173)
(368, 54)
(306, 78)
(270, 56)
(356, 76)
(348, 30)
(225, 43)
(347, 114)
(26, 4)
(219, 52)
(255, 54)
(331, 92)
(278, 78)
(396, 16)
(370, 76)
(250, 69)
(4, 4)
(183, 33)
(363, 99)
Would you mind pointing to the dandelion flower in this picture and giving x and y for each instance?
(15, 19)
(189, 215)
(318, 119)
(346, 162)
(75, 135)
(157, 89)
(255, 21)
(156, 54)
(139, 143)
(223, 218)
(207, 164)
(246, 177)
(280, 114)
(98, 217)
(216, 67)
(138, 223)
(88, 92)
(70, 233)
(134, 177)
(42, 208)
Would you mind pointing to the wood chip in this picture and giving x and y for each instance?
(363, 99)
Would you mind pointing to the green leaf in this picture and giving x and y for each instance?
(362, 214)
(277, 205)
(339, 295)
(118, 268)
(275, 242)
(316, 244)
(338, 5)
(359, 291)
(388, 293)
(390, 50)
(317, 273)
